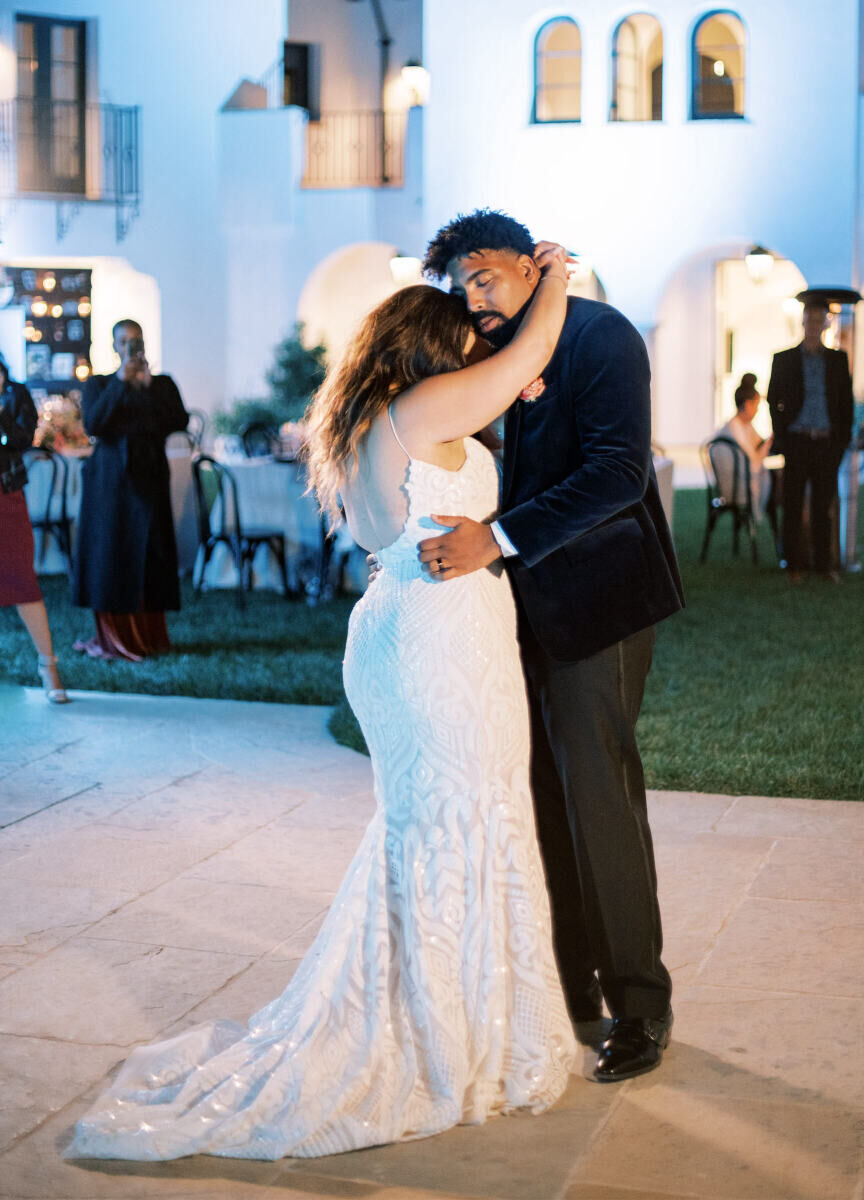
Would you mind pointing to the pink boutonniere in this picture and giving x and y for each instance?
(534, 390)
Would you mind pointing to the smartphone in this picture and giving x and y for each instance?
(135, 347)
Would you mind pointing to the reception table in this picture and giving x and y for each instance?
(49, 560)
(271, 493)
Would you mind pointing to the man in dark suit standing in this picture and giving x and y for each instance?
(583, 534)
(810, 397)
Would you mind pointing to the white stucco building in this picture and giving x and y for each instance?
(260, 181)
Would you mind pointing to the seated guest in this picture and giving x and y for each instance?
(740, 429)
(126, 555)
(18, 583)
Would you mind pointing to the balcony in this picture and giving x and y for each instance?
(355, 149)
(72, 154)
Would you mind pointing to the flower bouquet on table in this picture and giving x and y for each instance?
(60, 427)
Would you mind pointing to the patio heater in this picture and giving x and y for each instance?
(841, 335)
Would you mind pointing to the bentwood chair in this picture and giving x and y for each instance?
(727, 474)
(219, 521)
(51, 517)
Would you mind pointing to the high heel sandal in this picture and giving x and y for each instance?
(54, 695)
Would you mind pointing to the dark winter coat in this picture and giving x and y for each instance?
(126, 554)
(18, 419)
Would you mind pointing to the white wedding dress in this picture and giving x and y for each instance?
(430, 996)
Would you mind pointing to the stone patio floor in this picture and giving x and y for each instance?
(163, 861)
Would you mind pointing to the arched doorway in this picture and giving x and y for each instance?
(714, 323)
(342, 289)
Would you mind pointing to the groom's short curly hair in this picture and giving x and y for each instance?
(483, 229)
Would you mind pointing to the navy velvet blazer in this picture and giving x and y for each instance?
(580, 501)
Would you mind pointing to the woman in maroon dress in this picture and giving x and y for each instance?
(18, 583)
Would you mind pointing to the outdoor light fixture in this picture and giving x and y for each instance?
(416, 79)
(405, 270)
(719, 67)
(759, 263)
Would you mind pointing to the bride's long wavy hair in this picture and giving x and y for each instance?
(418, 332)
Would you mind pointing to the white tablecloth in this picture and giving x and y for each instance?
(182, 504)
(271, 495)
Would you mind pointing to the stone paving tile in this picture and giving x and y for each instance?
(755, 816)
(335, 807)
(521, 1157)
(703, 878)
(107, 857)
(197, 914)
(791, 946)
(110, 992)
(34, 1169)
(765, 1046)
(676, 815)
(214, 807)
(808, 869)
(306, 859)
(667, 1139)
(41, 1076)
(243, 995)
(759, 1096)
(37, 915)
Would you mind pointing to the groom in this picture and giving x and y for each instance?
(583, 535)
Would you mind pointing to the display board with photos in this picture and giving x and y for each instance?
(57, 305)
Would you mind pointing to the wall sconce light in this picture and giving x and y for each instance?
(84, 307)
(57, 310)
(82, 371)
(416, 79)
(49, 283)
(38, 307)
(759, 263)
(405, 270)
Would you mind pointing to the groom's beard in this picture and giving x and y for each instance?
(501, 334)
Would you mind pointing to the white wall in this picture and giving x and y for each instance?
(642, 199)
(277, 234)
(348, 36)
(178, 60)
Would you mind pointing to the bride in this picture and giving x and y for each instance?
(430, 996)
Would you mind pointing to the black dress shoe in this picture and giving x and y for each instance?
(634, 1045)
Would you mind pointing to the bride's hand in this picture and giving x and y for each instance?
(552, 259)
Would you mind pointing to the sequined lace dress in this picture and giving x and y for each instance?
(430, 996)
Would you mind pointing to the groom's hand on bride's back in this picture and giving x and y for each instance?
(469, 546)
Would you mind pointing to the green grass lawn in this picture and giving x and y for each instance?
(757, 688)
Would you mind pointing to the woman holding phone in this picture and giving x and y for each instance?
(126, 557)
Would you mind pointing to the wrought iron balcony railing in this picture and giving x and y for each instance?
(73, 154)
(355, 149)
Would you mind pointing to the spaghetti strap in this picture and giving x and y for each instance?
(399, 441)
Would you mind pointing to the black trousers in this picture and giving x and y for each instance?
(592, 821)
(814, 461)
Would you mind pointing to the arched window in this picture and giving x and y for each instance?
(719, 67)
(558, 71)
(637, 70)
